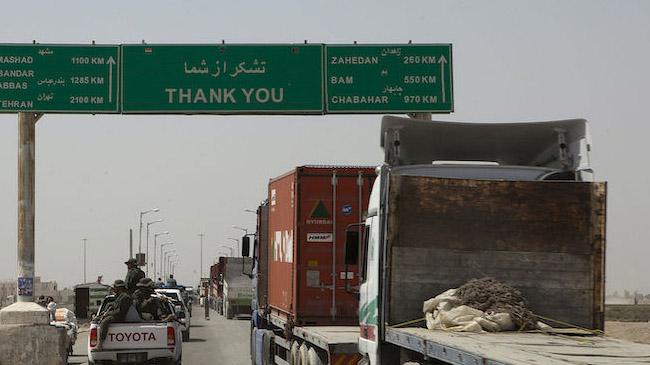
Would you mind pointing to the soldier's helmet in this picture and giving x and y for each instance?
(119, 284)
(145, 282)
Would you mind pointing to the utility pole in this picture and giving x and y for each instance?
(140, 234)
(155, 244)
(236, 240)
(146, 256)
(84, 239)
(161, 272)
(26, 209)
(201, 259)
(422, 116)
(130, 243)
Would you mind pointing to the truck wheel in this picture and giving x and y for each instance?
(312, 357)
(303, 354)
(253, 345)
(267, 350)
(186, 335)
(294, 358)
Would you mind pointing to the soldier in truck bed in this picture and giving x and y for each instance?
(147, 306)
(133, 276)
(116, 311)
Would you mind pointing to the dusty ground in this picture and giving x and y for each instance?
(630, 331)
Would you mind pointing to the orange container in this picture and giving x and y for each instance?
(309, 211)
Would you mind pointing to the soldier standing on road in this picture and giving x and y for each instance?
(133, 276)
(116, 312)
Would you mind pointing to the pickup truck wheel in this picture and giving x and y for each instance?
(267, 351)
(253, 347)
(312, 357)
(186, 335)
(294, 356)
(303, 354)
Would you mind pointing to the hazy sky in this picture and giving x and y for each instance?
(513, 61)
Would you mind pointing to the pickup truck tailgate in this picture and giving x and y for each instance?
(508, 348)
(127, 336)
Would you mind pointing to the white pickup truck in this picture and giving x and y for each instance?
(136, 340)
(181, 310)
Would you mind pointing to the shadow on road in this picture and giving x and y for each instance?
(195, 340)
(77, 361)
(196, 325)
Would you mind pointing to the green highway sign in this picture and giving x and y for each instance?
(59, 78)
(223, 79)
(226, 79)
(394, 78)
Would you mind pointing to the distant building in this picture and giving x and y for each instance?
(610, 299)
(8, 290)
(88, 298)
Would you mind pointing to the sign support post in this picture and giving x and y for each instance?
(26, 209)
(422, 116)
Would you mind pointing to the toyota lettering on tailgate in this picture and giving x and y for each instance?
(136, 336)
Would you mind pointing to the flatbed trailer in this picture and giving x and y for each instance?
(508, 348)
(516, 202)
(332, 344)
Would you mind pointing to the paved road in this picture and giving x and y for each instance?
(217, 341)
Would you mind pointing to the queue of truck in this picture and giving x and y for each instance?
(345, 256)
(231, 288)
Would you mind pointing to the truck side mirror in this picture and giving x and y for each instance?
(351, 247)
(245, 246)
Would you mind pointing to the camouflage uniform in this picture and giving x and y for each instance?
(116, 312)
(144, 303)
(133, 276)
